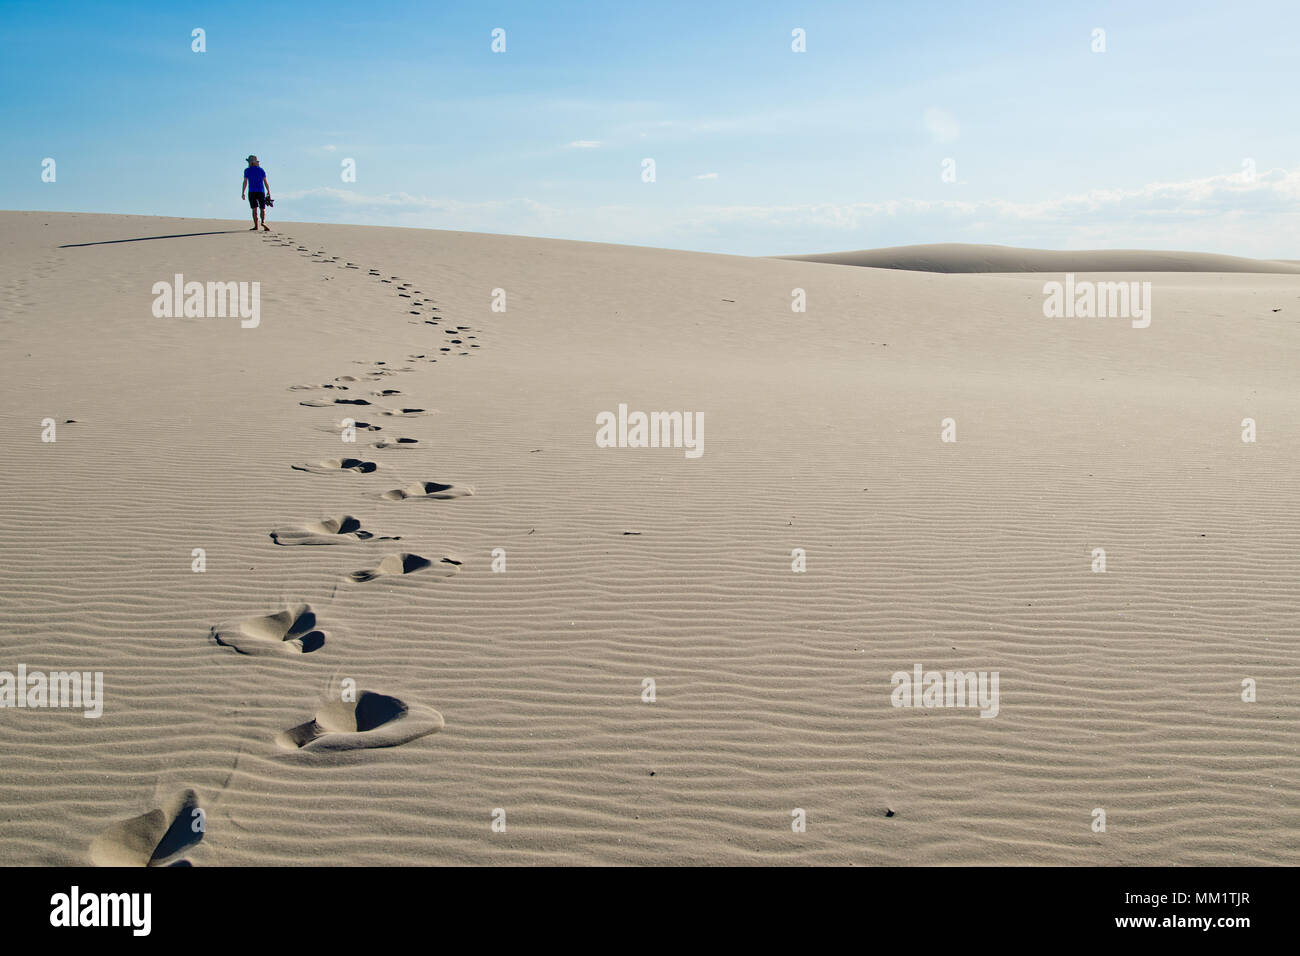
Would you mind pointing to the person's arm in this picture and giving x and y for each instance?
(243, 187)
(266, 185)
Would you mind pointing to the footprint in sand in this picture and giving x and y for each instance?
(286, 634)
(343, 529)
(405, 412)
(406, 563)
(374, 720)
(313, 388)
(333, 466)
(383, 393)
(155, 838)
(359, 426)
(317, 403)
(395, 443)
(429, 489)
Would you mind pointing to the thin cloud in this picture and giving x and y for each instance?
(1276, 190)
(413, 203)
(1233, 213)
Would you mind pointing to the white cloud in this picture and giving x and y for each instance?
(707, 176)
(1227, 213)
(1274, 191)
(410, 202)
(584, 144)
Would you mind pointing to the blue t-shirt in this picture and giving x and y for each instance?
(256, 177)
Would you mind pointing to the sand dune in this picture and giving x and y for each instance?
(609, 650)
(967, 257)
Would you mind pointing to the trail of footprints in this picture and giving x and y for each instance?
(294, 631)
(365, 719)
(461, 340)
(371, 401)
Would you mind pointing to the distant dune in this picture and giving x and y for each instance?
(969, 257)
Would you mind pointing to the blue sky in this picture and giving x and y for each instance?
(1180, 135)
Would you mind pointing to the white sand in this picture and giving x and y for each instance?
(523, 689)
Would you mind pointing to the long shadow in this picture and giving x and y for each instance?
(183, 235)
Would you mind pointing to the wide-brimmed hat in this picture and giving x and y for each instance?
(250, 159)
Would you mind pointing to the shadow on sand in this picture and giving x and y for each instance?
(183, 235)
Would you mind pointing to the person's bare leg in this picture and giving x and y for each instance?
(254, 229)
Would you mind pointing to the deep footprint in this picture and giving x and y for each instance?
(406, 563)
(335, 465)
(375, 720)
(285, 634)
(343, 529)
(429, 489)
(152, 838)
(359, 426)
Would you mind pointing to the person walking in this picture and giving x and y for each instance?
(258, 188)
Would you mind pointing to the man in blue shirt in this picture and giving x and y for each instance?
(255, 182)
